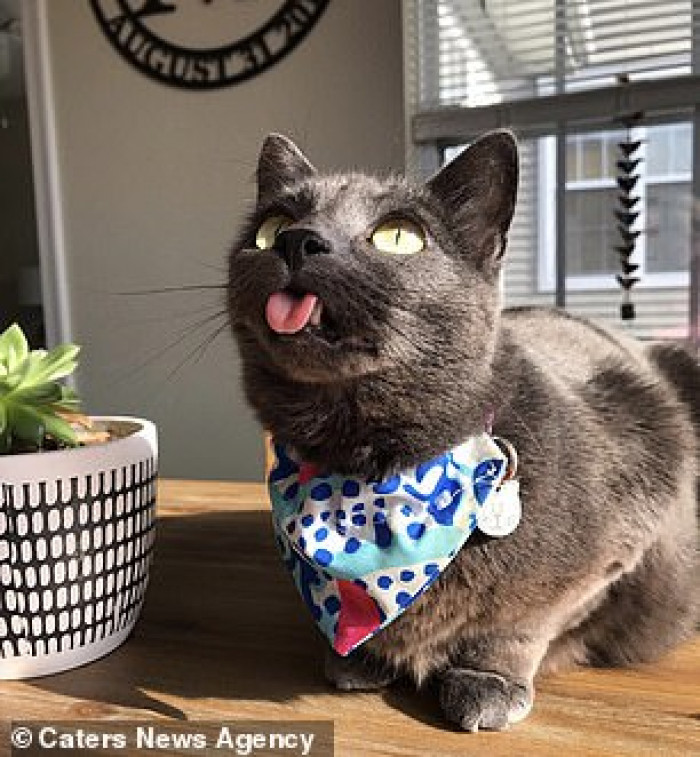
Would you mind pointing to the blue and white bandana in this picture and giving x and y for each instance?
(362, 551)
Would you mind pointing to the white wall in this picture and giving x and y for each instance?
(153, 182)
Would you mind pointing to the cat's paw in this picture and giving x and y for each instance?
(476, 701)
(357, 673)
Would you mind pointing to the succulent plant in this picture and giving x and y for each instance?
(36, 409)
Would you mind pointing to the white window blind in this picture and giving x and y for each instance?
(481, 52)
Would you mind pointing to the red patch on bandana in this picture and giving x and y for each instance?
(307, 471)
(359, 617)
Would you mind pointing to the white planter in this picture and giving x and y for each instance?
(76, 536)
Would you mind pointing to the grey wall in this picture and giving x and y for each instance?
(153, 183)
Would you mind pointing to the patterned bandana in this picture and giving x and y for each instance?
(362, 551)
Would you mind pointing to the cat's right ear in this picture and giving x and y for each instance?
(280, 165)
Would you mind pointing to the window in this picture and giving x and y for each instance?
(561, 74)
(664, 188)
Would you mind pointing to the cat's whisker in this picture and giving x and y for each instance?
(211, 309)
(172, 290)
(219, 269)
(203, 309)
(368, 298)
(199, 351)
(191, 329)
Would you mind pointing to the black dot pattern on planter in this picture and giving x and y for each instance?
(74, 558)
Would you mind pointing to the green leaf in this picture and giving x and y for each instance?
(13, 347)
(58, 363)
(3, 418)
(27, 424)
(68, 400)
(60, 430)
(40, 394)
(66, 406)
(19, 377)
(28, 371)
(69, 395)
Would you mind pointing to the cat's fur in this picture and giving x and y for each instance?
(603, 566)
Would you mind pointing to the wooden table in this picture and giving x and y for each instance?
(223, 636)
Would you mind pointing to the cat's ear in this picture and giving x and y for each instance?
(478, 189)
(281, 164)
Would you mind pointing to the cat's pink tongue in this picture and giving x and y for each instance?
(287, 314)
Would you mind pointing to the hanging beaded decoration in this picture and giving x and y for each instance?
(627, 211)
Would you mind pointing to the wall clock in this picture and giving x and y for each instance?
(205, 44)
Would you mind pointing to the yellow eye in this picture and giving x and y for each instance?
(399, 236)
(269, 229)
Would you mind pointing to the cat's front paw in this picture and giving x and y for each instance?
(476, 701)
(357, 672)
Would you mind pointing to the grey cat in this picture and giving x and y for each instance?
(403, 357)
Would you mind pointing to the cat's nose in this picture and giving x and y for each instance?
(294, 245)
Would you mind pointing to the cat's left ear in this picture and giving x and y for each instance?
(281, 164)
(478, 189)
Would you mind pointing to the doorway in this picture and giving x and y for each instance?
(20, 271)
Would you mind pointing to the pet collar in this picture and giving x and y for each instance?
(362, 551)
